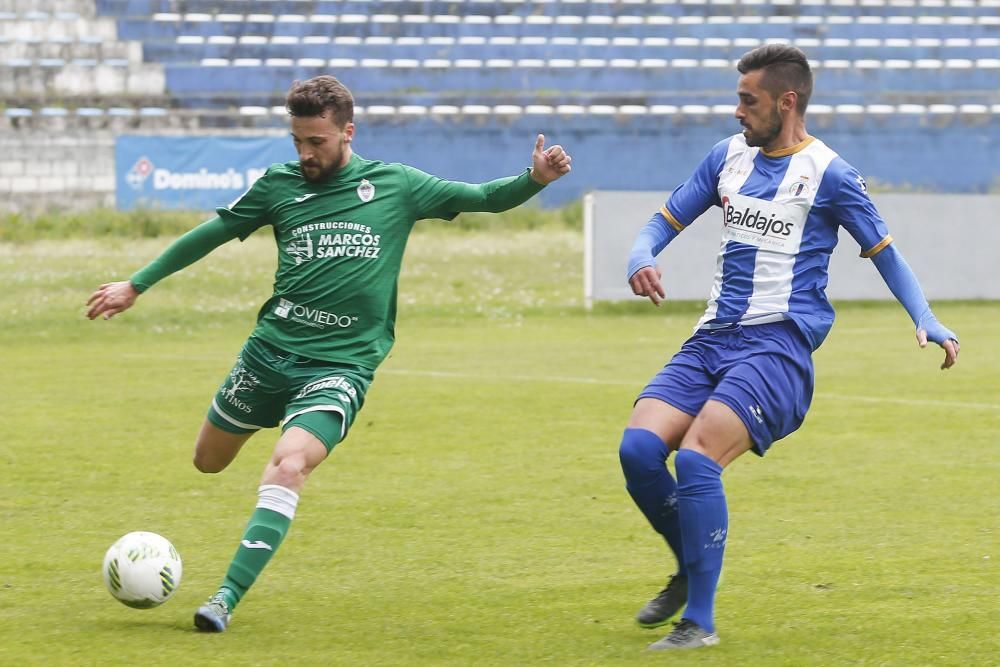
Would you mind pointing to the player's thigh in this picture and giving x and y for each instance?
(668, 404)
(663, 419)
(769, 385)
(215, 449)
(254, 393)
(325, 400)
(251, 397)
(718, 433)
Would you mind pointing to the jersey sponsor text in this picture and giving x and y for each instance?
(768, 225)
(313, 317)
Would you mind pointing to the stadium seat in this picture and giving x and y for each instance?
(419, 59)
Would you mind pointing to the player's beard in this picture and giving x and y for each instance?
(767, 133)
(321, 173)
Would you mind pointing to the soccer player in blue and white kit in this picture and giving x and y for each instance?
(745, 378)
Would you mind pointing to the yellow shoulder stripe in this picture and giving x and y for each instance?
(671, 219)
(878, 247)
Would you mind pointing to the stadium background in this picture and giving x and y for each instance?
(909, 90)
(476, 515)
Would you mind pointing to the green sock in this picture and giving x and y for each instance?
(264, 533)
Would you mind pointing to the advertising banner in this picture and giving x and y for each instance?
(196, 173)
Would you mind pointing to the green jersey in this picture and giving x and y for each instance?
(340, 249)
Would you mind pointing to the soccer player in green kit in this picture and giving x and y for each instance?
(341, 223)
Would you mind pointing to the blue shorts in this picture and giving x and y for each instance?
(764, 372)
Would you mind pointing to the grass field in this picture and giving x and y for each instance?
(476, 515)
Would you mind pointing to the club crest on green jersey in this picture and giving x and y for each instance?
(366, 191)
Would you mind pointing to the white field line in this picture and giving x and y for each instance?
(586, 380)
(572, 379)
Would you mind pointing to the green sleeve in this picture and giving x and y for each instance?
(252, 209)
(434, 197)
(183, 252)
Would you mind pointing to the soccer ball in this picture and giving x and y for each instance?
(142, 570)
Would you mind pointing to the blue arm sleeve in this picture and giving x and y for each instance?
(688, 201)
(899, 277)
(652, 238)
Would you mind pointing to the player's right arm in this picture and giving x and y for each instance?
(685, 204)
(113, 298)
(250, 211)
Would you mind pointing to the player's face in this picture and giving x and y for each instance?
(757, 111)
(323, 146)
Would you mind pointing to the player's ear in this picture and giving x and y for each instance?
(788, 100)
(348, 131)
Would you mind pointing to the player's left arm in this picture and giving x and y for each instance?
(860, 217)
(904, 286)
(434, 197)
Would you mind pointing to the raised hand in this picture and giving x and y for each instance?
(548, 164)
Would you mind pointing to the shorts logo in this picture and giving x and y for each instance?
(757, 413)
(366, 191)
(241, 380)
(670, 504)
(334, 382)
(862, 184)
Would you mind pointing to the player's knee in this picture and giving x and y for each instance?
(641, 453)
(205, 463)
(289, 472)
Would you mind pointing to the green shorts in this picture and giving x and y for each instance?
(270, 387)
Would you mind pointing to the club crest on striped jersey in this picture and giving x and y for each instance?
(366, 191)
(800, 188)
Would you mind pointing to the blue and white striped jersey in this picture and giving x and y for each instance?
(781, 212)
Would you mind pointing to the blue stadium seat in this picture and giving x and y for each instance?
(378, 75)
(193, 48)
(589, 53)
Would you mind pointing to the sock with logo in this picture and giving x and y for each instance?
(267, 528)
(704, 521)
(644, 461)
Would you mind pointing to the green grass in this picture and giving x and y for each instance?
(151, 223)
(476, 514)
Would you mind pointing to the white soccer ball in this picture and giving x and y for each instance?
(142, 570)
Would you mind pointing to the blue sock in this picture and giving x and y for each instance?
(704, 525)
(644, 462)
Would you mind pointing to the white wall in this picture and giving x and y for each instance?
(951, 242)
(40, 171)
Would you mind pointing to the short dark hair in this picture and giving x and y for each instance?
(321, 95)
(785, 68)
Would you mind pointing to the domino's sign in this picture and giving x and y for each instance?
(196, 173)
